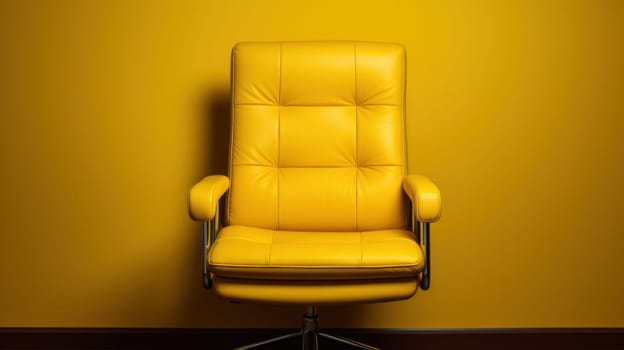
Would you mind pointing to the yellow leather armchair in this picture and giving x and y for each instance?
(319, 209)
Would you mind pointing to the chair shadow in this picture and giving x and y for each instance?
(216, 114)
(202, 308)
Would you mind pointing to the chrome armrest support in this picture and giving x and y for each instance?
(208, 236)
(425, 282)
(422, 236)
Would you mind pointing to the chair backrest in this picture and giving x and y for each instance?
(318, 136)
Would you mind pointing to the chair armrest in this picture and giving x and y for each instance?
(425, 197)
(204, 197)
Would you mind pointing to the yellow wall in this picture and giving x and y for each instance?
(111, 110)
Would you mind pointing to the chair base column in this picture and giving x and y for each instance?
(309, 334)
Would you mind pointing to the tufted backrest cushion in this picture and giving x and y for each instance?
(318, 136)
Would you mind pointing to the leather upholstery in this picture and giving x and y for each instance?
(315, 292)
(318, 136)
(316, 211)
(204, 196)
(246, 252)
(426, 197)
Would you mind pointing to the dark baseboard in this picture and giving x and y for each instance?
(395, 339)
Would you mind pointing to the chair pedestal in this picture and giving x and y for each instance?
(310, 334)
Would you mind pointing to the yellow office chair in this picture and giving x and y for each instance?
(318, 208)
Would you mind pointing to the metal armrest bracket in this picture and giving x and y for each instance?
(424, 240)
(208, 236)
(425, 282)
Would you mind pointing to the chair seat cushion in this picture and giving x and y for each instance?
(248, 252)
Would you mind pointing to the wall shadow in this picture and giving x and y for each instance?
(203, 308)
(216, 115)
(200, 307)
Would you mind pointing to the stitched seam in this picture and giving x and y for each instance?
(357, 158)
(320, 105)
(271, 246)
(320, 166)
(302, 166)
(232, 122)
(403, 121)
(361, 248)
(252, 164)
(320, 267)
(279, 130)
(379, 165)
(405, 168)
